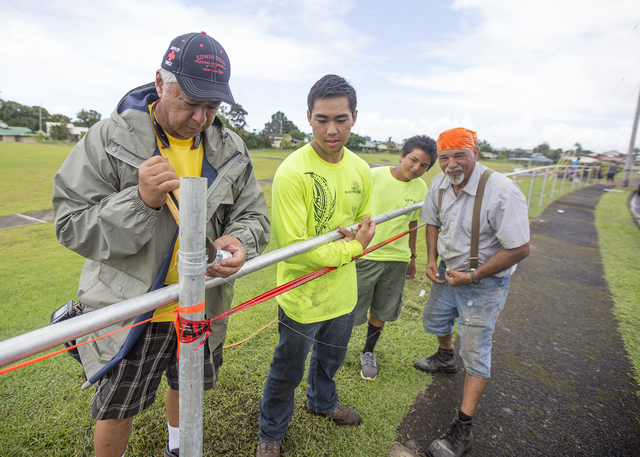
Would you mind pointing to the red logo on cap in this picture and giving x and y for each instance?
(171, 56)
(211, 63)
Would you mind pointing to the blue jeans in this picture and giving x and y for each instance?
(329, 340)
(477, 307)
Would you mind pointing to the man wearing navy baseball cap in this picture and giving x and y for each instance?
(110, 205)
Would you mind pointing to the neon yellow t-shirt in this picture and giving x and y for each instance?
(312, 197)
(186, 162)
(389, 194)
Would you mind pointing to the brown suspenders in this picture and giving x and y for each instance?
(475, 222)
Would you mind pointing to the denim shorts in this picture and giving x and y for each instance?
(477, 308)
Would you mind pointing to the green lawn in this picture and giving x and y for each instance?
(44, 413)
(28, 171)
(620, 249)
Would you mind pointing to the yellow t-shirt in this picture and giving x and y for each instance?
(312, 197)
(389, 194)
(186, 162)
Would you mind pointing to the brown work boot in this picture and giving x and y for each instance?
(341, 415)
(268, 449)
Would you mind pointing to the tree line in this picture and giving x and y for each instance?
(234, 117)
(32, 117)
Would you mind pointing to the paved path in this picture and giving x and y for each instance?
(18, 220)
(561, 382)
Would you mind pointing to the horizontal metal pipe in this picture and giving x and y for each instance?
(31, 343)
(25, 345)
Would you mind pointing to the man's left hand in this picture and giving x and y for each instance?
(457, 278)
(230, 266)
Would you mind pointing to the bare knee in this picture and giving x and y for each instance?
(111, 437)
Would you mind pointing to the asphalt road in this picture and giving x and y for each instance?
(561, 382)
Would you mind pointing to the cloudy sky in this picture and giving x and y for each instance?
(519, 73)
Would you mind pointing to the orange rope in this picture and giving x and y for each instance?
(46, 356)
(249, 337)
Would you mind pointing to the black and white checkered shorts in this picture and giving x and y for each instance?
(132, 384)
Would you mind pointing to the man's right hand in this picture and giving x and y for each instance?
(156, 178)
(433, 274)
(365, 231)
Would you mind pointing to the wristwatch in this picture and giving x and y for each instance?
(473, 276)
(414, 255)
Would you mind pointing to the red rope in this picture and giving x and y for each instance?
(197, 328)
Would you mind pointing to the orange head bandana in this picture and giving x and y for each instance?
(458, 138)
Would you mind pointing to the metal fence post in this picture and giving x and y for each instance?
(533, 180)
(555, 178)
(544, 185)
(191, 267)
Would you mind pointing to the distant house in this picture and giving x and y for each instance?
(609, 158)
(488, 155)
(367, 146)
(611, 154)
(276, 140)
(76, 132)
(16, 134)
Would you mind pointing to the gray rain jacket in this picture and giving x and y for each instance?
(99, 214)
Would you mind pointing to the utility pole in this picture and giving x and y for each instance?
(629, 162)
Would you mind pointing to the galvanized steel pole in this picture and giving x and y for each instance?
(533, 180)
(192, 265)
(631, 153)
(544, 185)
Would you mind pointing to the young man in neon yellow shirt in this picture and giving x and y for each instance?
(382, 273)
(319, 188)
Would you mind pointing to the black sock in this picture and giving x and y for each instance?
(373, 333)
(463, 417)
(446, 354)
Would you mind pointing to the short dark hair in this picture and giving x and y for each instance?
(330, 86)
(424, 143)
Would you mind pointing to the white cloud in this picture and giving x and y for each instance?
(558, 71)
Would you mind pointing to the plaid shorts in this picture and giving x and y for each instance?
(132, 384)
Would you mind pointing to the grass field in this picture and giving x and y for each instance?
(620, 249)
(29, 170)
(44, 413)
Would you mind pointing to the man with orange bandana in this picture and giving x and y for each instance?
(472, 288)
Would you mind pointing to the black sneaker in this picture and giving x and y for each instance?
(171, 452)
(440, 361)
(454, 442)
